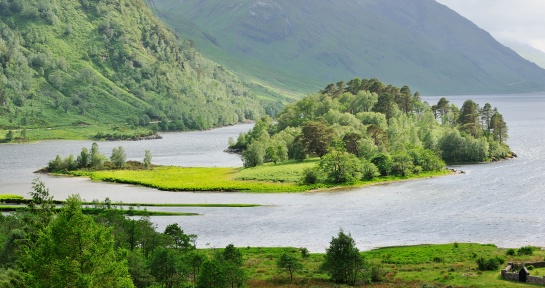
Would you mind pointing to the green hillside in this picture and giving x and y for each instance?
(295, 45)
(528, 52)
(96, 62)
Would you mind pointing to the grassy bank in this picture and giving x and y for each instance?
(75, 132)
(95, 211)
(448, 265)
(270, 178)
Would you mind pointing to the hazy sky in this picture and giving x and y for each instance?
(520, 20)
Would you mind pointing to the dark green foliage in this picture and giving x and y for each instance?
(343, 261)
(525, 250)
(510, 252)
(289, 263)
(75, 251)
(232, 254)
(164, 267)
(316, 137)
(180, 239)
(490, 264)
(211, 275)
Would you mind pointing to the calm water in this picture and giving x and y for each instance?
(497, 203)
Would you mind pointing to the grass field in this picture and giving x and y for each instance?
(272, 178)
(74, 132)
(445, 265)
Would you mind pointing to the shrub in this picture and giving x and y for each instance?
(491, 264)
(530, 267)
(311, 176)
(526, 250)
(510, 252)
(304, 252)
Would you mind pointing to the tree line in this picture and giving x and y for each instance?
(94, 160)
(42, 246)
(364, 129)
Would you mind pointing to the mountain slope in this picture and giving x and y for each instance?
(67, 62)
(528, 52)
(420, 43)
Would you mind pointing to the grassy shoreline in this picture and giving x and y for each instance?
(426, 265)
(270, 178)
(95, 211)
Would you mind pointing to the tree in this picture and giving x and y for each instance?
(147, 159)
(231, 253)
(254, 155)
(289, 263)
(386, 105)
(181, 240)
(341, 167)
(343, 261)
(402, 164)
(9, 136)
(211, 275)
(96, 159)
(486, 117)
(164, 267)
(83, 159)
(316, 137)
(499, 128)
(351, 143)
(469, 118)
(74, 251)
(118, 157)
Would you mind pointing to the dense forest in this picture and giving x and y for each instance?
(80, 62)
(363, 128)
(46, 246)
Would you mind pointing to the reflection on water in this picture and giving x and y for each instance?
(497, 203)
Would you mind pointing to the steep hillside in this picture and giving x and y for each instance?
(528, 52)
(420, 43)
(78, 62)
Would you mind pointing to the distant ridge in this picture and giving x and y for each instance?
(303, 45)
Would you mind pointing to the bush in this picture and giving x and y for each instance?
(304, 252)
(526, 250)
(510, 252)
(530, 267)
(491, 264)
(311, 176)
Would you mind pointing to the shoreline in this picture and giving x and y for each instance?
(154, 179)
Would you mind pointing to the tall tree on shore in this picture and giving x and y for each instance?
(75, 251)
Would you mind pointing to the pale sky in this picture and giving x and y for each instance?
(507, 20)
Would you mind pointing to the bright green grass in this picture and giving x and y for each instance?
(94, 211)
(409, 266)
(170, 178)
(10, 197)
(74, 132)
(290, 171)
(284, 177)
(445, 264)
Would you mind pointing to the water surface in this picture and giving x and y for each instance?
(497, 203)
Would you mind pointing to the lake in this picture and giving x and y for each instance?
(498, 203)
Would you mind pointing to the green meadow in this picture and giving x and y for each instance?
(269, 178)
(443, 265)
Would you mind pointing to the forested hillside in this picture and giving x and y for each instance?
(300, 44)
(80, 62)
